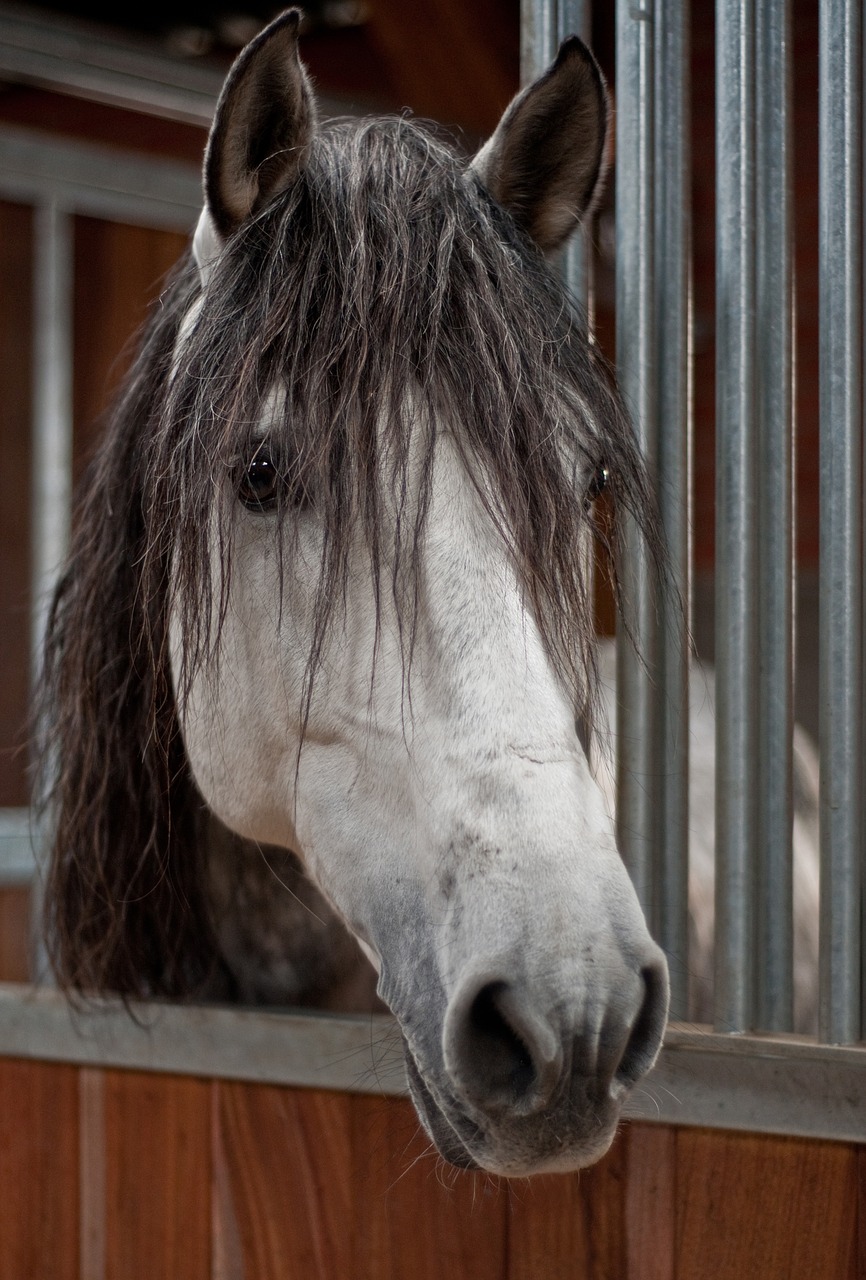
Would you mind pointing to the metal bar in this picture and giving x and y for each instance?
(79, 59)
(17, 847)
(736, 632)
(537, 37)
(573, 18)
(771, 1085)
(52, 408)
(774, 386)
(673, 327)
(841, 547)
(98, 181)
(636, 362)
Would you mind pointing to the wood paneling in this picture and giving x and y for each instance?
(38, 1171)
(415, 1216)
(14, 933)
(228, 1181)
(157, 1176)
(454, 62)
(750, 1205)
(118, 271)
(284, 1183)
(650, 1202)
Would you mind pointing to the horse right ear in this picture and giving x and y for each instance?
(546, 160)
(263, 126)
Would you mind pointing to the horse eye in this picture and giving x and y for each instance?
(259, 484)
(598, 483)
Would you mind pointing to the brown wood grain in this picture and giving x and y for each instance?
(650, 1173)
(118, 270)
(38, 1171)
(157, 1132)
(751, 1205)
(414, 1216)
(861, 1212)
(454, 62)
(15, 932)
(549, 1229)
(284, 1177)
(16, 288)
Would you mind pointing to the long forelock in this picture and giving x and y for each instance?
(389, 296)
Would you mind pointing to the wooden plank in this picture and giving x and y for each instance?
(413, 1216)
(861, 1212)
(614, 1221)
(118, 270)
(650, 1202)
(549, 1229)
(38, 1171)
(14, 933)
(750, 1205)
(455, 62)
(283, 1209)
(157, 1177)
(92, 1153)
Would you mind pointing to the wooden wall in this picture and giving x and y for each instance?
(113, 1175)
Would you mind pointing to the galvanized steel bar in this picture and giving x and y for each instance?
(636, 363)
(736, 631)
(573, 18)
(841, 547)
(775, 491)
(673, 322)
(537, 37)
(52, 407)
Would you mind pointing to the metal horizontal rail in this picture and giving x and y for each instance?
(757, 1083)
(17, 847)
(81, 177)
(85, 60)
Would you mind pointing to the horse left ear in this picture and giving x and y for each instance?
(546, 160)
(263, 126)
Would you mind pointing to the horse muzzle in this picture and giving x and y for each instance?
(529, 1086)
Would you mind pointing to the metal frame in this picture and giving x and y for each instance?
(775, 1083)
(764, 1084)
(84, 60)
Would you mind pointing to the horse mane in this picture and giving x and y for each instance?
(385, 294)
(124, 905)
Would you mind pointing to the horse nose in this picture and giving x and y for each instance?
(503, 1054)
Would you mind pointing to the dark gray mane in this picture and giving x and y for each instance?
(390, 297)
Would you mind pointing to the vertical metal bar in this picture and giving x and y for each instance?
(672, 261)
(573, 18)
(773, 341)
(636, 362)
(537, 37)
(736, 632)
(52, 449)
(841, 548)
(52, 408)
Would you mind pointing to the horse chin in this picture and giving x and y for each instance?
(512, 1149)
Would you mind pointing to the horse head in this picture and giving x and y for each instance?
(345, 507)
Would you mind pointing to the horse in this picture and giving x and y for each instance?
(328, 595)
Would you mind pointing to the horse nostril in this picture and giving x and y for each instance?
(648, 1028)
(501, 1054)
(500, 1051)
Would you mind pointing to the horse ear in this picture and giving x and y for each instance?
(264, 122)
(546, 160)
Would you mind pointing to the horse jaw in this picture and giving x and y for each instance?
(453, 822)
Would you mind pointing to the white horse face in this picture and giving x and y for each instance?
(453, 821)
(445, 805)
